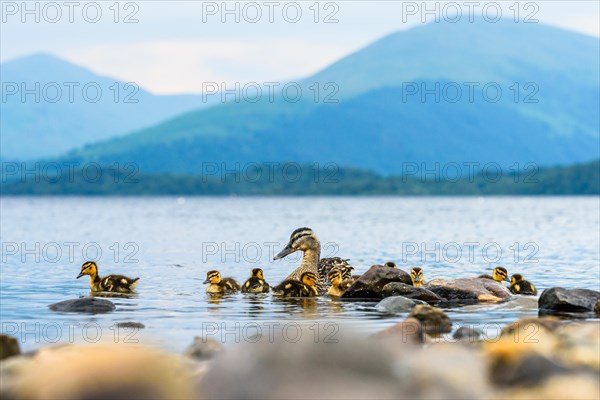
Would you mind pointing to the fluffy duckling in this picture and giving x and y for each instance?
(390, 264)
(518, 285)
(305, 287)
(220, 285)
(256, 283)
(110, 283)
(338, 283)
(416, 275)
(500, 274)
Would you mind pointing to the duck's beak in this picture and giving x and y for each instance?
(288, 249)
(506, 280)
(206, 281)
(80, 275)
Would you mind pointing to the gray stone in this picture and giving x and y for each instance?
(409, 331)
(433, 319)
(370, 284)
(203, 348)
(409, 291)
(396, 304)
(467, 334)
(89, 305)
(131, 325)
(469, 290)
(558, 299)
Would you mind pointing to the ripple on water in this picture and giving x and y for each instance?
(174, 246)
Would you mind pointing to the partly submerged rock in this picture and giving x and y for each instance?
(409, 331)
(558, 300)
(370, 284)
(409, 291)
(130, 325)
(397, 304)
(90, 305)
(467, 334)
(433, 319)
(468, 290)
(9, 346)
(203, 348)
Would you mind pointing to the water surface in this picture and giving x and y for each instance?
(171, 242)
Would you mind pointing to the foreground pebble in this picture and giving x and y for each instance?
(433, 319)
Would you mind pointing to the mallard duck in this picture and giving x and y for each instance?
(518, 285)
(416, 274)
(499, 274)
(220, 285)
(110, 283)
(338, 283)
(305, 287)
(390, 264)
(256, 283)
(305, 240)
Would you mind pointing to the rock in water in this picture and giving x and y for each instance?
(409, 331)
(130, 325)
(410, 292)
(203, 348)
(433, 319)
(467, 334)
(468, 290)
(9, 346)
(558, 299)
(396, 304)
(597, 308)
(370, 284)
(90, 305)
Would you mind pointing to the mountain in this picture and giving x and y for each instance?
(540, 104)
(65, 115)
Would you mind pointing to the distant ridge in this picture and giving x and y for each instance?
(547, 112)
(63, 117)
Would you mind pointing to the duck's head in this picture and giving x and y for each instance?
(213, 277)
(390, 264)
(516, 278)
(500, 274)
(301, 239)
(416, 275)
(309, 279)
(257, 273)
(88, 268)
(335, 276)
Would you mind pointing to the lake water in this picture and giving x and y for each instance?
(170, 243)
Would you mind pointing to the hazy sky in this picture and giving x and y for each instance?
(175, 46)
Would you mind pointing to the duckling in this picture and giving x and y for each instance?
(256, 283)
(416, 275)
(338, 283)
(390, 264)
(327, 264)
(110, 283)
(518, 285)
(220, 285)
(305, 287)
(500, 274)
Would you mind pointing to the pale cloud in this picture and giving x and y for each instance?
(182, 66)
